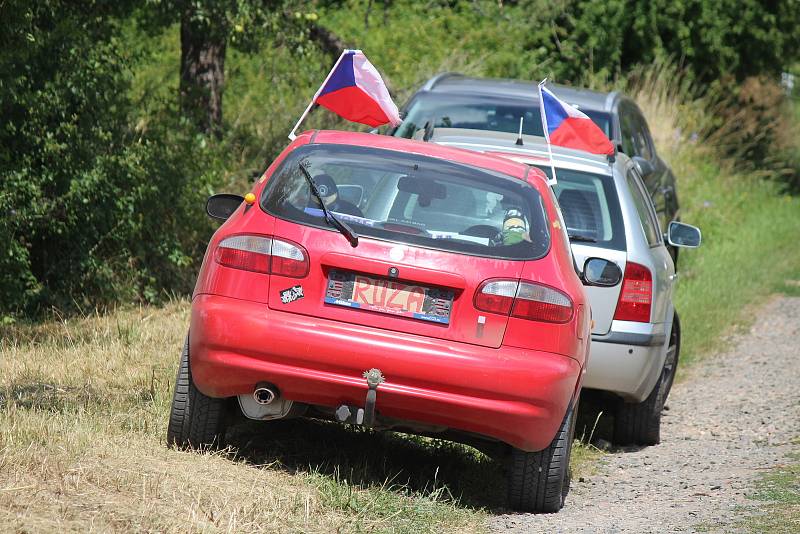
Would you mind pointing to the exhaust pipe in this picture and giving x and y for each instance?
(265, 394)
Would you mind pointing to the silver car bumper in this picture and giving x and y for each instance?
(628, 360)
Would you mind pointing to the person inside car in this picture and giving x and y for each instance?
(330, 195)
(515, 229)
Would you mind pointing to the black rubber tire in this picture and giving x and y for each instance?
(673, 356)
(195, 420)
(640, 423)
(539, 481)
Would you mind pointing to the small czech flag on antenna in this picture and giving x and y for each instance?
(355, 91)
(566, 126)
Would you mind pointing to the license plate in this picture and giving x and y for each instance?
(389, 296)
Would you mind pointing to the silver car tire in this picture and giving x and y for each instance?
(640, 423)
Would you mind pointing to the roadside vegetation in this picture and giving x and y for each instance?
(84, 403)
(95, 218)
(749, 219)
(779, 493)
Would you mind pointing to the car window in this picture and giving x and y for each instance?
(644, 208)
(590, 207)
(477, 112)
(413, 199)
(627, 129)
(641, 137)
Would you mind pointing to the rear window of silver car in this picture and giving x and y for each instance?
(413, 199)
(476, 112)
(590, 206)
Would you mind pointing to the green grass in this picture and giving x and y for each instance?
(778, 493)
(748, 253)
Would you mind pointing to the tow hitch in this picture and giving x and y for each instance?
(363, 416)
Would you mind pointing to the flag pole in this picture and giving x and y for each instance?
(311, 104)
(552, 181)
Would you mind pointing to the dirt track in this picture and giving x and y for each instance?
(731, 419)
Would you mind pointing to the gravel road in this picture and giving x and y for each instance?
(729, 420)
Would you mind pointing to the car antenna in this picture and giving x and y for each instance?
(612, 157)
(519, 137)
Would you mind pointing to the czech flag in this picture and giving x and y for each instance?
(566, 126)
(355, 91)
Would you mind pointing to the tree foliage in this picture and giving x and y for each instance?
(103, 177)
(91, 210)
(712, 38)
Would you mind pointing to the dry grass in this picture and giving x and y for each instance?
(83, 412)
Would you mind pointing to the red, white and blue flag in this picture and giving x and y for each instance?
(355, 91)
(568, 127)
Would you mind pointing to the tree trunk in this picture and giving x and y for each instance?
(202, 74)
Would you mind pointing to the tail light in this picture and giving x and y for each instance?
(263, 255)
(289, 259)
(542, 303)
(496, 296)
(525, 300)
(636, 295)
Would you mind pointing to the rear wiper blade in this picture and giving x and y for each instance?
(581, 238)
(343, 228)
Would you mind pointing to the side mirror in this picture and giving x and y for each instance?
(644, 167)
(683, 235)
(223, 205)
(600, 272)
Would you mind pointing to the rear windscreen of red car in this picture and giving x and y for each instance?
(412, 199)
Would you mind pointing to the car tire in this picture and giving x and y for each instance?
(195, 420)
(640, 423)
(539, 481)
(673, 355)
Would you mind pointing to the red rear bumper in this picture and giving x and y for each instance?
(514, 395)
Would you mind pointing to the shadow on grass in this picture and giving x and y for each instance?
(367, 459)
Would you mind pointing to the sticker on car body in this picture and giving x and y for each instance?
(292, 294)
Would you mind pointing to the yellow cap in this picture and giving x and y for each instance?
(250, 198)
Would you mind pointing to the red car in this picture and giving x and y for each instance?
(398, 285)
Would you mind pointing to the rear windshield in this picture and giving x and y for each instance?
(590, 207)
(476, 112)
(412, 199)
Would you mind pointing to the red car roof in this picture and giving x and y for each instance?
(476, 159)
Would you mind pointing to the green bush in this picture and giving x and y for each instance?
(92, 210)
(102, 184)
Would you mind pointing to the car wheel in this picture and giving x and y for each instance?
(640, 423)
(195, 420)
(539, 481)
(671, 361)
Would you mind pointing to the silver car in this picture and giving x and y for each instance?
(456, 101)
(608, 214)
